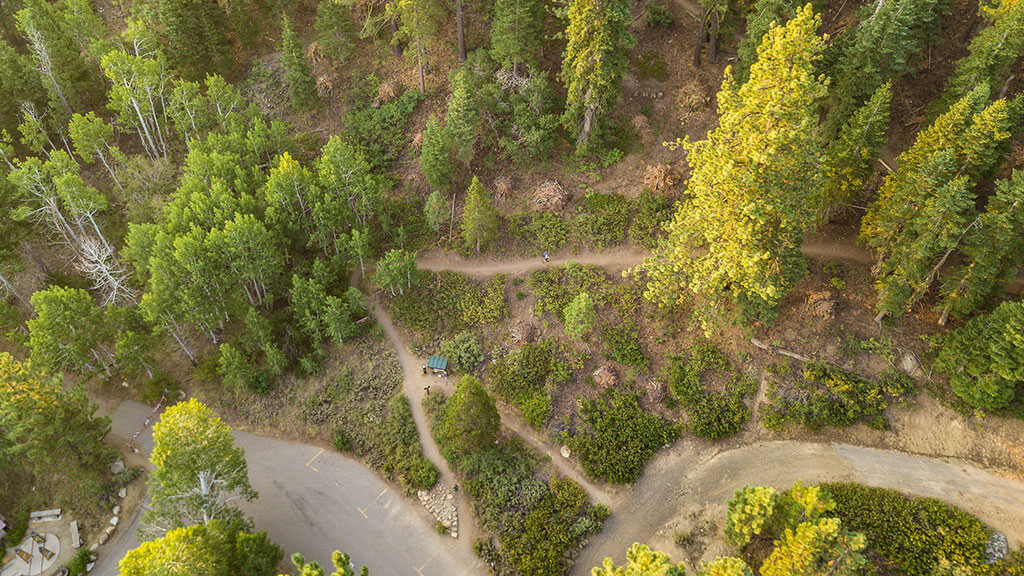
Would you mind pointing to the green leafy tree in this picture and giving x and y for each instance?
(726, 566)
(847, 165)
(335, 31)
(596, 56)
(479, 217)
(213, 549)
(984, 359)
(517, 33)
(346, 176)
(641, 561)
(91, 137)
(298, 74)
(419, 21)
(436, 155)
(68, 332)
(198, 472)
(992, 52)
(323, 316)
(924, 207)
(342, 566)
(436, 210)
(738, 238)
(750, 513)
(470, 420)
(463, 115)
(579, 315)
(395, 271)
(255, 361)
(20, 83)
(54, 430)
(137, 77)
(992, 250)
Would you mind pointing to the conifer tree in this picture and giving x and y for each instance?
(596, 56)
(335, 31)
(419, 21)
(463, 115)
(517, 33)
(984, 359)
(755, 187)
(195, 39)
(924, 207)
(479, 217)
(436, 155)
(436, 210)
(847, 167)
(879, 49)
(297, 72)
(759, 20)
(992, 249)
(991, 53)
(470, 421)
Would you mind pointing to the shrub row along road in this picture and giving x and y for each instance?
(315, 501)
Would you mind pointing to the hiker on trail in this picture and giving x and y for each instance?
(545, 256)
(426, 389)
(424, 369)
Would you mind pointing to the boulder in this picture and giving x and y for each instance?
(910, 364)
(117, 510)
(565, 452)
(122, 492)
(115, 520)
(117, 467)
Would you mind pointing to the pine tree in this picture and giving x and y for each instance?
(517, 33)
(194, 35)
(924, 207)
(984, 359)
(419, 22)
(462, 117)
(992, 249)
(847, 165)
(479, 217)
(297, 72)
(759, 21)
(879, 49)
(436, 210)
(470, 422)
(991, 53)
(436, 155)
(335, 31)
(596, 56)
(755, 187)
(213, 549)
(751, 510)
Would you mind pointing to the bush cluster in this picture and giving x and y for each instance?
(450, 302)
(619, 437)
(622, 340)
(524, 375)
(539, 231)
(831, 396)
(713, 414)
(538, 523)
(602, 220)
(464, 352)
(908, 535)
(650, 211)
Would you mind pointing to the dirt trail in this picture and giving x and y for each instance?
(415, 383)
(689, 484)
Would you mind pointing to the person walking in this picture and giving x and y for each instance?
(546, 256)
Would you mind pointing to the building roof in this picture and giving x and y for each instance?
(437, 363)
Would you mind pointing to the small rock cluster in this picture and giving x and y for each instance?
(645, 94)
(116, 468)
(440, 501)
(996, 549)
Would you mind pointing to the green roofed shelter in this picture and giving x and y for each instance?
(438, 363)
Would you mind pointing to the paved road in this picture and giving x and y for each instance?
(314, 502)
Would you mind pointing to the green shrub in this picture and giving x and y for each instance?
(19, 525)
(650, 211)
(579, 315)
(831, 396)
(623, 342)
(160, 385)
(908, 535)
(450, 302)
(341, 441)
(539, 231)
(522, 376)
(463, 351)
(602, 220)
(380, 131)
(556, 287)
(659, 15)
(400, 446)
(620, 437)
(77, 565)
(713, 414)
